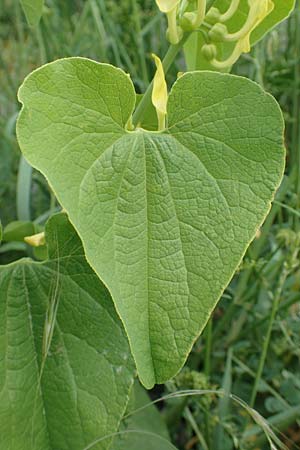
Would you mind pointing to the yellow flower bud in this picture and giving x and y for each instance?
(37, 240)
(218, 32)
(160, 93)
(193, 20)
(166, 6)
(213, 15)
(209, 51)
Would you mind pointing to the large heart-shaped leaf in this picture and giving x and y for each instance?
(165, 218)
(195, 59)
(65, 364)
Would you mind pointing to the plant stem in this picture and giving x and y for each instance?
(275, 306)
(140, 40)
(296, 108)
(24, 190)
(191, 420)
(41, 45)
(100, 29)
(208, 347)
(167, 62)
(207, 369)
(254, 437)
(110, 25)
(265, 385)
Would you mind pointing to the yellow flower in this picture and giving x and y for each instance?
(170, 7)
(230, 11)
(36, 240)
(259, 10)
(242, 46)
(167, 6)
(160, 93)
(195, 19)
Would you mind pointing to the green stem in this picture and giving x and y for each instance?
(52, 201)
(208, 347)
(113, 41)
(167, 62)
(151, 24)
(285, 306)
(207, 369)
(264, 384)
(100, 29)
(255, 437)
(295, 157)
(191, 420)
(24, 190)
(41, 44)
(275, 306)
(140, 41)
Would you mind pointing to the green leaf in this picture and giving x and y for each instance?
(165, 218)
(1, 232)
(17, 230)
(281, 11)
(144, 428)
(196, 61)
(33, 10)
(64, 392)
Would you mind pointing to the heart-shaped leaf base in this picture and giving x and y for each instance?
(165, 218)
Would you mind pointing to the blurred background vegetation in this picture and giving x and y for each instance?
(251, 347)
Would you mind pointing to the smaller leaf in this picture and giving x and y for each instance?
(144, 428)
(65, 366)
(16, 231)
(33, 11)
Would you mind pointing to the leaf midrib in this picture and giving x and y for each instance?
(147, 260)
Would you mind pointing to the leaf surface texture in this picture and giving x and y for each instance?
(60, 390)
(165, 218)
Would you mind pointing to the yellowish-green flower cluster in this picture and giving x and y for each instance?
(180, 20)
(188, 20)
(258, 11)
(170, 8)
